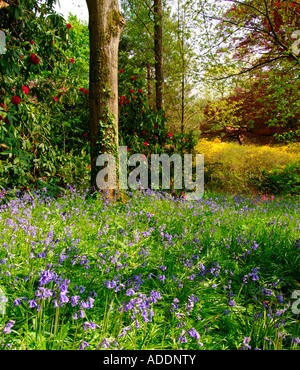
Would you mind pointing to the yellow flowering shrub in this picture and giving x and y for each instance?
(234, 167)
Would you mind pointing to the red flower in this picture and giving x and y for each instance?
(55, 98)
(122, 71)
(122, 97)
(131, 91)
(69, 26)
(128, 149)
(34, 59)
(126, 114)
(127, 101)
(25, 89)
(21, 56)
(144, 132)
(170, 135)
(85, 134)
(16, 100)
(83, 90)
(143, 111)
(133, 78)
(72, 60)
(145, 143)
(32, 42)
(140, 91)
(164, 115)
(134, 97)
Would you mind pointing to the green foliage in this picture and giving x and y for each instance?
(140, 126)
(43, 104)
(281, 180)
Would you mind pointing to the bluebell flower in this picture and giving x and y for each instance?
(8, 327)
(182, 338)
(162, 278)
(193, 333)
(83, 345)
(245, 343)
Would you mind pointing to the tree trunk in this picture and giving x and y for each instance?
(149, 84)
(158, 50)
(105, 27)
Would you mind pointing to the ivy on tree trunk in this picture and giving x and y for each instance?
(105, 27)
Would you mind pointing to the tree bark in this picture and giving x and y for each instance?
(149, 84)
(105, 27)
(158, 50)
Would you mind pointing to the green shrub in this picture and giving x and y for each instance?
(281, 180)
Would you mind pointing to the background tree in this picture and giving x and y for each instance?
(255, 45)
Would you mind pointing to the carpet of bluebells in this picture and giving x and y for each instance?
(150, 272)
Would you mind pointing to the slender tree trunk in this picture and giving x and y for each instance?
(105, 27)
(149, 84)
(158, 50)
(181, 48)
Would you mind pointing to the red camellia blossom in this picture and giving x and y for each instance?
(122, 71)
(134, 97)
(72, 60)
(143, 111)
(16, 100)
(131, 91)
(170, 135)
(34, 59)
(133, 78)
(69, 26)
(21, 56)
(140, 91)
(55, 98)
(126, 114)
(32, 42)
(145, 143)
(85, 134)
(25, 89)
(144, 132)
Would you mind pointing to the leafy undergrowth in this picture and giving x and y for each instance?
(152, 272)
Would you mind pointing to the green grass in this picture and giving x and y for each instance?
(230, 263)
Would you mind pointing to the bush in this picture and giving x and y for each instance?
(281, 180)
(238, 168)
